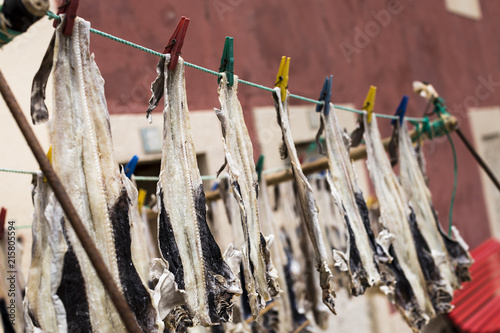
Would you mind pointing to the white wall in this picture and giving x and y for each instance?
(19, 61)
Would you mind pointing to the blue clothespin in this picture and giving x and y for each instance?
(130, 167)
(215, 186)
(401, 110)
(227, 61)
(325, 96)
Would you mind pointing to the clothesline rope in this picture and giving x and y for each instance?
(248, 83)
(153, 178)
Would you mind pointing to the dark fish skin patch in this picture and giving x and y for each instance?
(219, 300)
(355, 265)
(429, 269)
(138, 298)
(72, 291)
(440, 297)
(168, 246)
(39, 112)
(459, 255)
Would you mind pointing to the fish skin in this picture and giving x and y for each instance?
(83, 158)
(260, 280)
(208, 282)
(362, 255)
(39, 112)
(309, 210)
(416, 307)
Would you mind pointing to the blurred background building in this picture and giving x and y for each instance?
(452, 44)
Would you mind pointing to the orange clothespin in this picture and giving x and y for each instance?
(69, 7)
(282, 77)
(370, 103)
(176, 41)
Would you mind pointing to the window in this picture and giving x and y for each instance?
(467, 8)
(485, 124)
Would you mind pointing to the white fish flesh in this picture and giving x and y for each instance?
(363, 253)
(308, 207)
(185, 240)
(260, 274)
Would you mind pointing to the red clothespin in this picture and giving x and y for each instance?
(69, 7)
(176, 41)
(3, 218)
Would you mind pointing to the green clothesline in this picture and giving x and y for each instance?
(248, 83)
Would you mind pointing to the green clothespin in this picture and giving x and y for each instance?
(259, 166)
(439, 106)
(227, 61)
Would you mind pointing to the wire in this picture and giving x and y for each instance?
(455, 181)
(209, 71)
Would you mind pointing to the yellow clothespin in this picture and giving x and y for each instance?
(370, 103)
(140, 199)
(282, 77)
(49, 156)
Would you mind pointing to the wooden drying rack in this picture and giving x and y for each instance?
(357, 153)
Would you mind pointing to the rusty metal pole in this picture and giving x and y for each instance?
(114, 293)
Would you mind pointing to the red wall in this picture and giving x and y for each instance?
(421, 41)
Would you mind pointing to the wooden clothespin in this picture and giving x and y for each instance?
(325, 96)
(401, 110)
(370, 103)
(227, 62)
(69, 7)
(282, 76)
(175, 42)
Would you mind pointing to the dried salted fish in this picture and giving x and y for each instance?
(410, 290)
(260, 274)
(309, 210)
(103, 196)
(185, 240)
(47, 257)
(451, 256)
(363, 253)
(280, 260)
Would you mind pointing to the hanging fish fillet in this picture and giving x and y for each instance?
(47, 258)
(411, 295)
(362, 253)
(452, 256)
(286, 217)
(184, 237)
(260, 274)
(309, 210)
(103, 196)
(269, 226)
